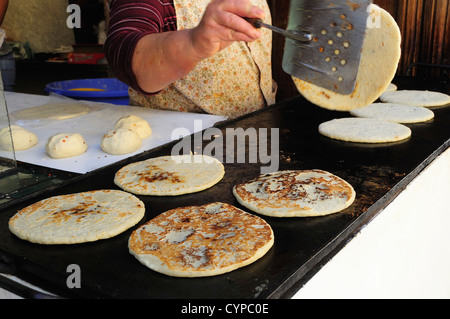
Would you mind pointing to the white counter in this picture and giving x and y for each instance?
(404, 252)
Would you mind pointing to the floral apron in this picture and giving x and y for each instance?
(233, 82)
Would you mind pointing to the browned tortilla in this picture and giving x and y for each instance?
(200, 241)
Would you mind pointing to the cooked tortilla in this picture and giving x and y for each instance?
(294, 193)
(170, 175)
(77, 218)
(416, 98)
(392, 112)
(379, 61)
(364, 130)
(200, 241)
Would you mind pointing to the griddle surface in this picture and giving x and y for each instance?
(302, 245)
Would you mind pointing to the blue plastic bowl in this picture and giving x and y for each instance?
(108, 90)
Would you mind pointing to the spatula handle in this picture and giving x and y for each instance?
(297, 36)
(255, 22)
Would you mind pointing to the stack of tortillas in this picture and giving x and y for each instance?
(379, 61)
(294, 193)
(78, 218)
(170, 175)
(201, 241)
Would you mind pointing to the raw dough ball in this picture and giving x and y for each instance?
(22, 138)
(135, 124)
(65, 145)
(120, 141)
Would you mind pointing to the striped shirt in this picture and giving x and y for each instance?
(129, 21)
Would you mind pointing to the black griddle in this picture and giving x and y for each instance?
(302, 245)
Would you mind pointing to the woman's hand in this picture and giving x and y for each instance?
(222, 24)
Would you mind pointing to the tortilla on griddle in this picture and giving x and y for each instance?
(200, 241)
(78, 218)
(379, 61)
(391, 88)
(170, 175)
(364, 130)
(295, 193)
(416, 98)
(392, 112)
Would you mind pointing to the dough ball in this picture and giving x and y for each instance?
(22, 138)
(120, 141)
(66, 145)
(135, 124)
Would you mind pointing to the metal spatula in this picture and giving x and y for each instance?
(324, 39)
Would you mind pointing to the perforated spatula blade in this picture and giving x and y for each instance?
(324, 40)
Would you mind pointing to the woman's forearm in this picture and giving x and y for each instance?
(162, 58)
(3, 8)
